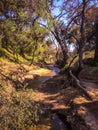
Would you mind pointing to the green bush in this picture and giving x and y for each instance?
(17, 111)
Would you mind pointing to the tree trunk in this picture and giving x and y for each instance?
(35, 47)
(77, 83)
(82, 31)
(96, 42)
(80, 56)
(62, 45)
(22, 52)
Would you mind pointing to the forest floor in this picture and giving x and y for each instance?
(57, 95)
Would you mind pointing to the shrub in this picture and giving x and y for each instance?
(17, 110)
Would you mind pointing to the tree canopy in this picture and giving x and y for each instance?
(25, 27)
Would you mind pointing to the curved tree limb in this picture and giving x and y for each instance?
(77, 83)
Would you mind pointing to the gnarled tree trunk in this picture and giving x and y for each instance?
(96, 42)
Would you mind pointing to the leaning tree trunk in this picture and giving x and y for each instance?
(96, 42)
(62, 45)
(64, 51)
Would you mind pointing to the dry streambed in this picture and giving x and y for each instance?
(34, 76)
(57, 95)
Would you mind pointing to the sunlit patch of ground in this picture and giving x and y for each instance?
(94, 94)
(80, 100)
(40, 127)
(41, 72)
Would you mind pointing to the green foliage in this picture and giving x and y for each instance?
(21, 31)
(42, 49)
(17, 110)
(28, 58)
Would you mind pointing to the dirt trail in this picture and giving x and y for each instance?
(51, 94)
(58, 94)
